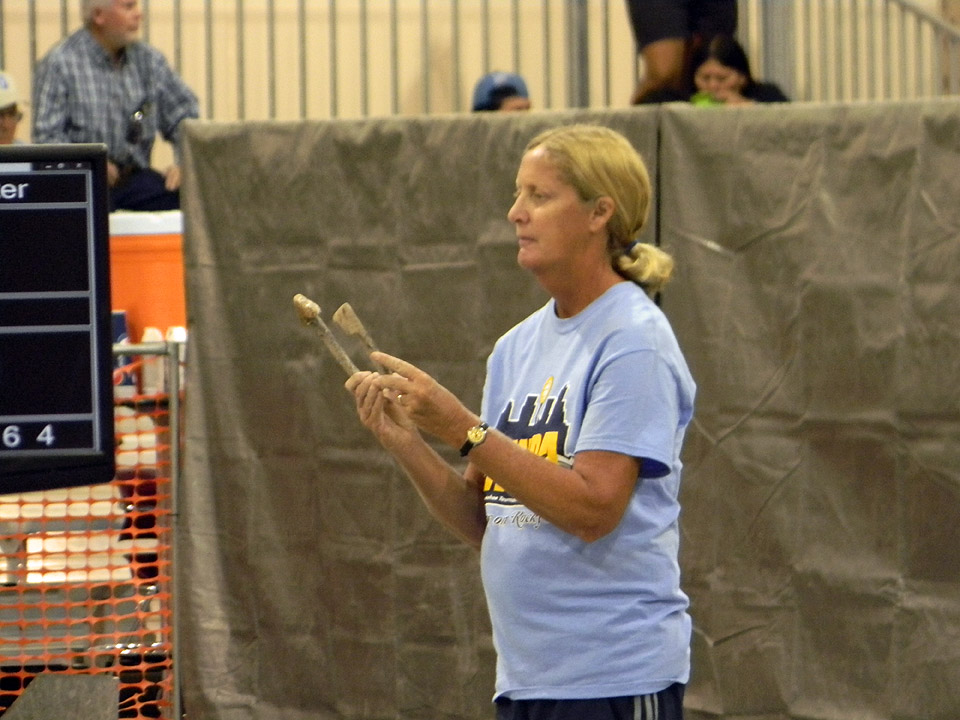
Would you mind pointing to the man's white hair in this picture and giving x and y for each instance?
(88, 6)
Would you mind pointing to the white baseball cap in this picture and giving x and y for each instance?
(8, 91)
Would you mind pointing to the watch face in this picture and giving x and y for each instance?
(476, 434)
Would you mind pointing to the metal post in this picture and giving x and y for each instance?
(425, 55)
(302, 38)
(364, 60)
(271, 59)
(208, 41)
(779, 45)
(547, 86)
(485, 36)
(332, 21)
(578, 57)
(177, 37)
(455, 51)
(146, 21)
(394, 59)
(241, 105)
(175, 351)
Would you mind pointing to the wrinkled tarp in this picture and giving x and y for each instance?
(815, 298)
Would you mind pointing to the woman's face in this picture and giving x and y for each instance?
(553, 224)
(720, 81)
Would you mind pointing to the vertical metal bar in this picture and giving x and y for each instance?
(875, 78)
(922, 54)
(810, 54)
(578, 43)
(64, 20)
(825, 64)
(3, 47)
(425, 54)
(302, 42)
(208, 41)
(885, 56)
(455, 51)
(755, 39)
(515, 33)
(781, 43)
(173, 407)
(902, 22)
(868, 60)
(332, 43)
(546, 54)
(842, 78)
(605, 34)
(799, 55)
(821, 38)
(177, 37)
(394, 58)
(364, 60)
(937, 60)
(241, 70)
(955, 67)
(146, 21)
(32, 29)
(271, 60)
(855, 47)
(485, 36)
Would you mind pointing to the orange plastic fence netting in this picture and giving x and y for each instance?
(85, 573)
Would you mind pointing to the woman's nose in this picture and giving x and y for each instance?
(513, 214)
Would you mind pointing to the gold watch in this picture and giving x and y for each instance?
(475, 436)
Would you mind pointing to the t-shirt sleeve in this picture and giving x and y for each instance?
(634, 408)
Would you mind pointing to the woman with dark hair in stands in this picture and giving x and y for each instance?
(721, 73)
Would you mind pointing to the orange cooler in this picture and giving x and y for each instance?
(146, 269)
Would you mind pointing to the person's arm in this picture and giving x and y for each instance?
(587, 500)
(50, 104)
(175, 103)
(455, 500)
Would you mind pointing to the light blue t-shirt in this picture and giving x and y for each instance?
(576, 620)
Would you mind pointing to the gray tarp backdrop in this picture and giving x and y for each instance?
(817, 301)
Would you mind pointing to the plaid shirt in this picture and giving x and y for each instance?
(82, 95)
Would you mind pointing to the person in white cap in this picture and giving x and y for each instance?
(10, 114)
(102, 85)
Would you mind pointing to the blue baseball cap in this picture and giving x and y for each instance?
(492, 88)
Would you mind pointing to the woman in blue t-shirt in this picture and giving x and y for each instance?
(570, 490)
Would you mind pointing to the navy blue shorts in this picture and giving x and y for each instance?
(664, 705)
(654, 20)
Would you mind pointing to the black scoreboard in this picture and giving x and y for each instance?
(56, 363)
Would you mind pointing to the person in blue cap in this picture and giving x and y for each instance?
(501, 91)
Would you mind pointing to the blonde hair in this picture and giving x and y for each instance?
(599, 162)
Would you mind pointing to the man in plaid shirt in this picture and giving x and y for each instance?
(102, 85)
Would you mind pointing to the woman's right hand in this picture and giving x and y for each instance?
(382, 415)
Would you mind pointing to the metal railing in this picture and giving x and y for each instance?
(832, 50)
(297, 59)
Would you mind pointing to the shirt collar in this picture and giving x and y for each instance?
(99, 53)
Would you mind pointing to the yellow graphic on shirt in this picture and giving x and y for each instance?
(540, 427)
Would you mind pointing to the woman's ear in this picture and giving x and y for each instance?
(603, 208)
